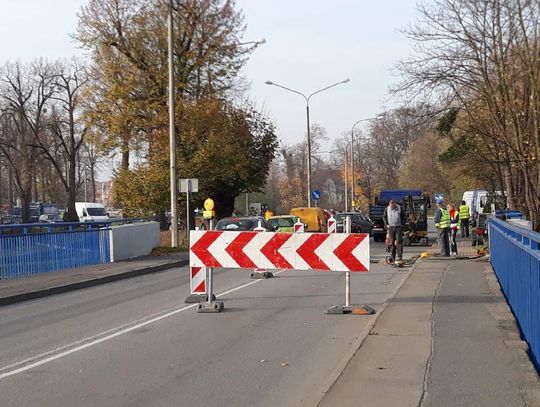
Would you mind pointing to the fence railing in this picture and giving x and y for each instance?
(30, 249)
(515, 257)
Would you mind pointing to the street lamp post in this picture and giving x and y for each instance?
(351, 142)
(172, 132)
(307, 98)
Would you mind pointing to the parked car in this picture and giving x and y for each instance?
(50, 218)
(243, 223)
(359, 222)
(283, 223)
(15, 217)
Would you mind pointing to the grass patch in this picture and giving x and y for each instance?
(166, 250)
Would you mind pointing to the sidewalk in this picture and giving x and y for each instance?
(448, 338)
(41, 285)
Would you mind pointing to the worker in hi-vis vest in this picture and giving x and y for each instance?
(442, 223)
(464, 217)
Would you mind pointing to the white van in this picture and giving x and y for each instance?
(479, 202)
(468, 198)
(91, 212)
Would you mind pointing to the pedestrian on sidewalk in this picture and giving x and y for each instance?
(464, 217)
(442, 223)
(394, 220)
(454, 227)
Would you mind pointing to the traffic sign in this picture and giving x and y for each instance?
(209, 204)
(439, 197)
(274, 250)
(316, 195)
(189, 185)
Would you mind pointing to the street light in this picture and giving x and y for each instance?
(259, 41)
(352, 155)
(307, 98)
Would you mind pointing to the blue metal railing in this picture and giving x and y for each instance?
(30, 249)
(515, 257)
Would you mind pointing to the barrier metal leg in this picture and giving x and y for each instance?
(348, 308)
(211, 306)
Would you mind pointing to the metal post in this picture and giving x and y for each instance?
(172, 134)
(247, 203)
(346, 180)
(347, 228)
(352, 170)
(210, 278)
(308, 158)
(188, 182)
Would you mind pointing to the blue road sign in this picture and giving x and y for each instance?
(316, 195)
(439, 198)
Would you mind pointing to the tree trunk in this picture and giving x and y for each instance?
(35, 197)
(125, 155)
(509, 188)
(93, 179)
(11, 198)
(26, 197)
(71, 215)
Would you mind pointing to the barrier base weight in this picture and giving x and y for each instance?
(351, 309)
(210, 307)
(266, 274)
(195, 298)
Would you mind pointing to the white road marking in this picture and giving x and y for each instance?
(39, 360)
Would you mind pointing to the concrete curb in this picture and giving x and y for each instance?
(357, 344)
(45, 292)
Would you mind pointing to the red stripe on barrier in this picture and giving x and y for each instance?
(271, 250)
(194, 271)
(344, 252)
(200, 248)
(236, 250)
(201, 288)
(307, 251)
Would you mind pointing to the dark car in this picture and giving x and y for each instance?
(359, 222)
(243, 223)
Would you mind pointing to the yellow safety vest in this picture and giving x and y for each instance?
(444, 222)
(464, 212)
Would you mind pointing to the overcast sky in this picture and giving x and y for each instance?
(310, 44)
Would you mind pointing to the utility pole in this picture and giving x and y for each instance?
(172, 134)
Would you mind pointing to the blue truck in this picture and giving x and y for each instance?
(414, 203)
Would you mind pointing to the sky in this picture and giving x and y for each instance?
(310, 44)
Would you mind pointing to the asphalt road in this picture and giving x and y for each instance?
(135, 342)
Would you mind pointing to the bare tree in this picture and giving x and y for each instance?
(483, 58)
(24, 93)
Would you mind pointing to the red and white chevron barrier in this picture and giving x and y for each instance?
(274, 250)
(331, 224)
(197, 281)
